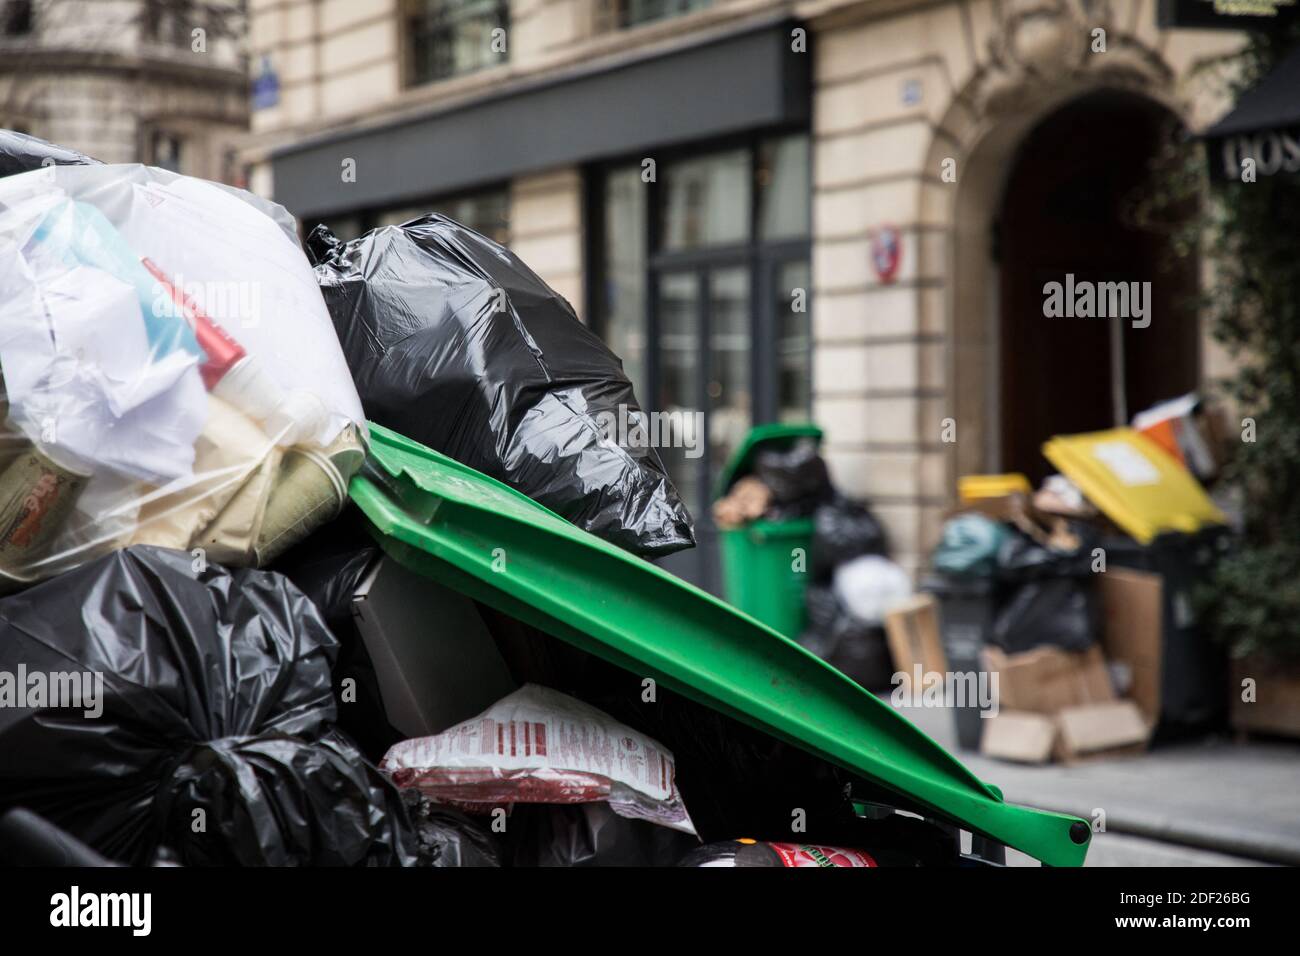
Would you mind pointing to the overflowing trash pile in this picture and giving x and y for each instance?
(204, 659)
(1078, 595)
(829, 550)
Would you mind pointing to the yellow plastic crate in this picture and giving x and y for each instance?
(974, 487)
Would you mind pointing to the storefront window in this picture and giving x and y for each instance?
(487, 213)
(731, 405)
(625, 271)
(680, 393)
(784, 181)
(450, 37)
(793, 341)
(706, 201)
(704, 274)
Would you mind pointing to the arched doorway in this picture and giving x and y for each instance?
(1066, 217)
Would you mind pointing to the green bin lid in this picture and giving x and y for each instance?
(741, 461)
(451, 523)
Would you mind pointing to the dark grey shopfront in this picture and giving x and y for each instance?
(697, 263)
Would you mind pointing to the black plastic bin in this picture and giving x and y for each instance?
(1194, 668)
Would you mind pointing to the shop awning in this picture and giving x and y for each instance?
(747, 78)
(1264, 126)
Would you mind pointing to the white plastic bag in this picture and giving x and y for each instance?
(171, 375)
(869, 586)
(540, 746)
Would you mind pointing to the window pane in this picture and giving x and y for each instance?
(487, 213)
(730, 399)
(706, 200)
(793, 342)
(679, 391)
(450, 37)
(625, 272)
(784, 188)
(634, 12)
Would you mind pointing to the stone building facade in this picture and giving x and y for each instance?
(129, 80)
(683, 171)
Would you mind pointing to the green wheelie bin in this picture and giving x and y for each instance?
(765, 563)
(452, 525)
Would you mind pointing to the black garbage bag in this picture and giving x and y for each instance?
(20, 153)
(328, 566)
(447, 837)
(215, 714)
(1049, 597)
(844, 530)
(1062, 611)
(795, 475)
(1020, 558)
(823, 615)
(846, 643)
(591, 834)
(454, 342)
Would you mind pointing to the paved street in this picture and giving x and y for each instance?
(1197, 804)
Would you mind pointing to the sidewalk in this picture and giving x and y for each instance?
(1237, 801)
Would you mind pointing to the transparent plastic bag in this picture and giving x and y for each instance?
(540, 746)
(171, 375)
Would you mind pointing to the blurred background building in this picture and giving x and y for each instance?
(842, 210)
(156, 81)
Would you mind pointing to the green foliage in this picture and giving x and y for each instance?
(1249, 232)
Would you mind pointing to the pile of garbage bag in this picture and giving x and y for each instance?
(182, 676)
(1043, 592)
(1095, 570)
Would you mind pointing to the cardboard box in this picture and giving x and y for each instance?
(1059, 705)
(1132, 604)
(1117, 726)
(1047, 679)
(1074, 734)
(1019, 736)
(912, 632)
